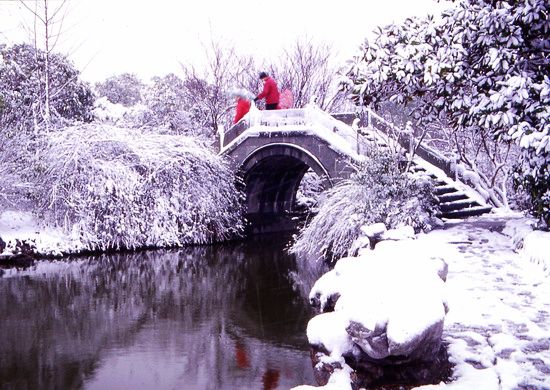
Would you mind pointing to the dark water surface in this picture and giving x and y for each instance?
(218, 317)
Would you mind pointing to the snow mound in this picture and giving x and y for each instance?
(390, 303)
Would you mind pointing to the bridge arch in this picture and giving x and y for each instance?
(272, 174)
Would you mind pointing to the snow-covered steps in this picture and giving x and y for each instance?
(454, 203)
(466, 212)
(451, 196)
(457, 205)
(444, 189)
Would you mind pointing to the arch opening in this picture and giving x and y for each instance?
(272, 177)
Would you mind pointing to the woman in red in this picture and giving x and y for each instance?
(243, 104)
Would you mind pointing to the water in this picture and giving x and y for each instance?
(219, 317)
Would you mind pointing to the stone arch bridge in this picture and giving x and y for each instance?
(272, 150)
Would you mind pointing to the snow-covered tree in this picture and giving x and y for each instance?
(167, 106)
(483, 66)
(22, 116)
(125, 89)
(308, 69)
(22, 89)
(47, 28)
(207, 88)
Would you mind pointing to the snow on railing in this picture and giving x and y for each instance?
(309, 119)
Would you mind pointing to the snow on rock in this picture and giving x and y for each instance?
(496, 331)
(329, 330)
(373, 230)
(390, 303)
(339, 380)
(400, 233)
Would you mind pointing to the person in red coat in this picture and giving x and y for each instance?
(243, 104)
(270, 92)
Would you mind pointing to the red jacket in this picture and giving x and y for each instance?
(243, 106)
(270, 92)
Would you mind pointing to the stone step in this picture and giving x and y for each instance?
(444, 189)
(416, 168)
(465, 213)
(451, 197)
(458, 205)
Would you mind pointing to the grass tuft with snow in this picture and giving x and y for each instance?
(378, 192)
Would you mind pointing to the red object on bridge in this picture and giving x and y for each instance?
(243, 106)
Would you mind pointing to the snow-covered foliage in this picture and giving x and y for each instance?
(22, 86)
(163, 106)
(474, 150)
(531, 244)
(168, 107)
(309, 191)
(122, 188)
(124, 89)
(483, 65)
(116, 113)
(378, 192)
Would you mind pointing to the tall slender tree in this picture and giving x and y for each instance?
(48, 25)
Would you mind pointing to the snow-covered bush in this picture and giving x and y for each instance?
(122, 188)
(309, 191)
(124, 89)
(483, 65)
(119, 115)
(378, 192)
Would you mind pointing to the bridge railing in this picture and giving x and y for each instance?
(311, 118)
(406, 139)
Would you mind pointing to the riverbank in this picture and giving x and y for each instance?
(498, 295)
(21, 234)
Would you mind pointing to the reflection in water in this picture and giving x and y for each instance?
(218, 317)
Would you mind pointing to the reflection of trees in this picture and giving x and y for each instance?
(56, 326)
(272, 309)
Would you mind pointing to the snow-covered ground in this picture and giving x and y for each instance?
(23, 227)
(498, 294)
(498, 326)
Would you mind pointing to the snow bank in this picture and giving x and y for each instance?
(536, 248)
(534, 245)
(22, 226)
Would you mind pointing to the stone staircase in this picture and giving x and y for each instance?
(456, 200)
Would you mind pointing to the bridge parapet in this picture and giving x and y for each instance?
(310, 119)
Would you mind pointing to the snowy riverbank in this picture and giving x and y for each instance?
(106, 188)
(497, 291)
(19, 229)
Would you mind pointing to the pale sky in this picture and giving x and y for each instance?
(108, 37)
